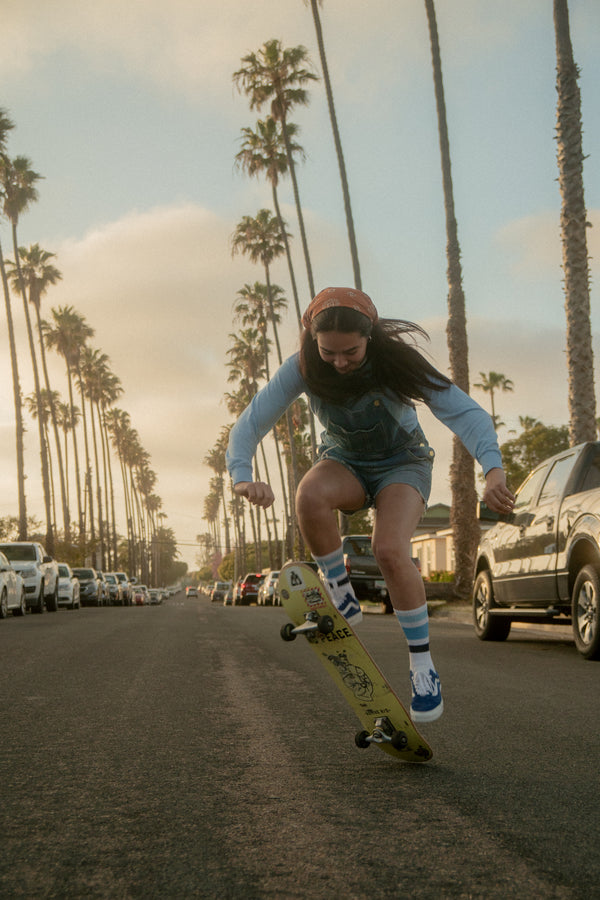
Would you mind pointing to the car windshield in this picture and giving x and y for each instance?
(18, 552)
(63, 571)
(361, 546)
(110, 578)
(83, 573)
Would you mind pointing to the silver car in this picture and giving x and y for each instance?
(68, 587)
(12, 590)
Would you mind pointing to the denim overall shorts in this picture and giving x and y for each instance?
(365, 438)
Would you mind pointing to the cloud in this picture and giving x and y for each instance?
(534, 244)
(191, 45)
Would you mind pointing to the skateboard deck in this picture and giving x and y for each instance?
(385, 721)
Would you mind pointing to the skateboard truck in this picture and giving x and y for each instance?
(314, 622)
(383, 733)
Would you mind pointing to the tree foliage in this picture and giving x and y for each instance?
(536, 443)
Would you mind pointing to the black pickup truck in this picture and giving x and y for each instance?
(542, 561)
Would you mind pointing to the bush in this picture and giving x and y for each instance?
(441, 576)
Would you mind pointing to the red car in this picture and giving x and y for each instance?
(248, 589)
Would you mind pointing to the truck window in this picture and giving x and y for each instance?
(529, 489)
(591, 480)
(557, 479)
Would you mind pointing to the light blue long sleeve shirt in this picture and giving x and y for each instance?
(459, 412)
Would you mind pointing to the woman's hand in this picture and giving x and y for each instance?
(496, 495)
(257, 492)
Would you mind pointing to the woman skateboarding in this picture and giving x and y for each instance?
(362, 378)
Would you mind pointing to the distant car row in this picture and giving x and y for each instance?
(31, 579)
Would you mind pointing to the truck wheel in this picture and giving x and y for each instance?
(586, 625)
(487, 627)
(22, 608)
(3, 605)
(52, 601)
(39, 604)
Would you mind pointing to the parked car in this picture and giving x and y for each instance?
(248, 590)
(266, 591)
(69, 589)
(220, 588)
(228, 598)
(115, 589)
(104, 586)
(92, 591)
(12, 590)
(125, 585)
(141, 595)
(541, 562)
(39, 572)
(154, 596)
(191, 591)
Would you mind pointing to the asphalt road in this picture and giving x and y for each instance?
(186, 751)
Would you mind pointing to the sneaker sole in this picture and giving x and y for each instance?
(429, 715)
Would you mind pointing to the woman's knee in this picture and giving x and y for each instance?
(391, 555)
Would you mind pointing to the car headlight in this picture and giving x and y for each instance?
(29, 572)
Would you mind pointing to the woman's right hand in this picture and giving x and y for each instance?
(257, 492)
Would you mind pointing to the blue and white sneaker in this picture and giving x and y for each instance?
(427, 704)
(346, 604)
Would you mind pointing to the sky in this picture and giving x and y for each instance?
(130, 114)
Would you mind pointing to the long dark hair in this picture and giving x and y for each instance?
(392, 363)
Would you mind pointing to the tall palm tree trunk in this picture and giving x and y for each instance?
(574, 224)
(40, 415)
(463, 516)
(292, 169)
(57, 441)
(18, 405)
(338, 145)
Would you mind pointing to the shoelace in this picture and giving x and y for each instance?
(423, 683)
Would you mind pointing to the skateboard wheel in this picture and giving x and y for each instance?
(399, 740)
(326, 625)
(287, 632)
(360, 739)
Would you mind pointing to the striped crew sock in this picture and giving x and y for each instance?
(415, 625)
(333, 568)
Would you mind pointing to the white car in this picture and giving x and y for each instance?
(266, 591)
(12, 590)
(69, 588)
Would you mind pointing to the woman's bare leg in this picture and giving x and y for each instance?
(326, 488)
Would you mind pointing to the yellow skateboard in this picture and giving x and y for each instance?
(384, 719)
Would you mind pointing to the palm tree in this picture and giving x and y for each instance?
(19, 186)
(109, 390)
(252, 309)
(574, 224)
(494, 381)
(118, 423)
(463, 515)
(5, 126)
(337, 141)
(94, 370)
(215, 458)
(67, 419)
(263, 151)
(39, 274)
(279, 75)
(259, 238)
(67, 333)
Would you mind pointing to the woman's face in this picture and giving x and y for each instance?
(345, 351)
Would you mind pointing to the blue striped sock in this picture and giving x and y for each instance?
(333, 568)
(415, 625)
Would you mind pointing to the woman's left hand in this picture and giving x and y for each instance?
(496, 495)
